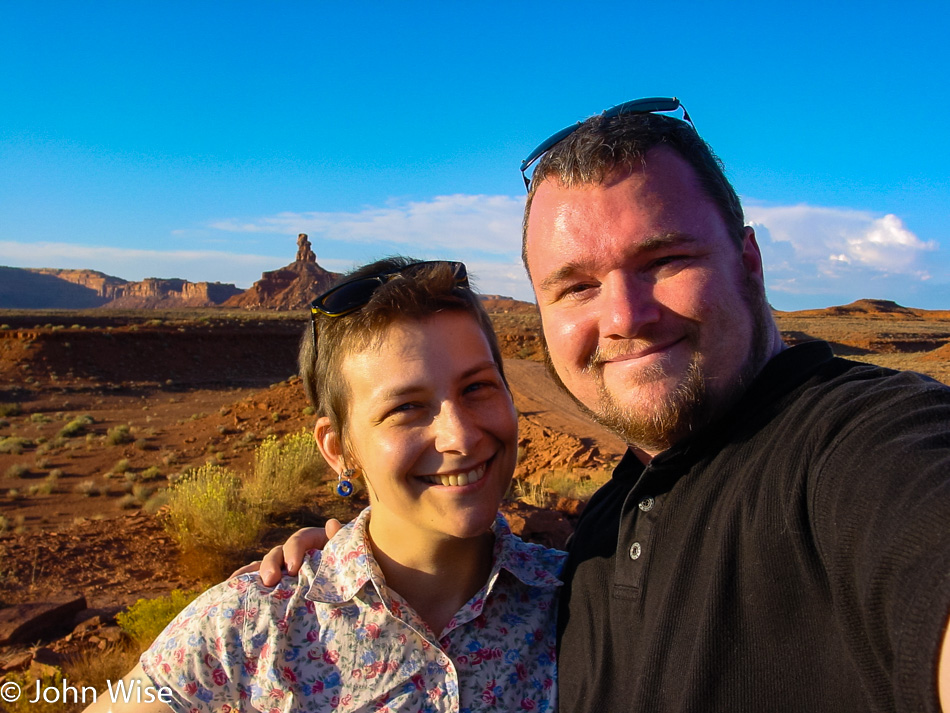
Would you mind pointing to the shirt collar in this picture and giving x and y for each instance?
(346, 564)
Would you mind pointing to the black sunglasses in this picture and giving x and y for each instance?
(636, 106)
(353, 294)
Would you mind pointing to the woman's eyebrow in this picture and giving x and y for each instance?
(403, 390)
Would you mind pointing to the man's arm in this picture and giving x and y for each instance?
(291, 553)
(943, 671)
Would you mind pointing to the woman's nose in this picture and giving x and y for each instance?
(455, 429)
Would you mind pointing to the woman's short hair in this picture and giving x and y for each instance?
(415, 295)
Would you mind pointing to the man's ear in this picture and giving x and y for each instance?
(329, 443)
(751, 255)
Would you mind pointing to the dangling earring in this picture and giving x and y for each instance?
(344, 488)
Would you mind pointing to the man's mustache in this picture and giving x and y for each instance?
(615, 349)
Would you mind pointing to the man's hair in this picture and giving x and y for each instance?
(413, 296)
(600, 147)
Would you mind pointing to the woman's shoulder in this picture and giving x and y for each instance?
(531, 562)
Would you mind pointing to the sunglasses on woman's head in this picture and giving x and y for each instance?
(354, 294)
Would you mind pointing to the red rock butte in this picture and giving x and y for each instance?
(291, 287)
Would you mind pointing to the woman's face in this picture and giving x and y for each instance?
(432, 427)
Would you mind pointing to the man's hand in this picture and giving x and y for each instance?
(291, 553)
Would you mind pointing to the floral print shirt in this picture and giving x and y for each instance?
(336, 638)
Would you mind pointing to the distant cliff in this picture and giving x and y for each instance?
(47, 288)
(291, 287)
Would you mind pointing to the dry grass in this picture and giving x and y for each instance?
(574, 484)
(285, 473)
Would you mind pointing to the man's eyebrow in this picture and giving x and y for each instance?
(651, 244)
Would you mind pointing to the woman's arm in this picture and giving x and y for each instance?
(141, 693)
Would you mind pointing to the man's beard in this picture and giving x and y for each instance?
(657, 425)
(654, 427)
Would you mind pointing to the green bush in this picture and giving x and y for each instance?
(76, 427)
(146, 619)
(51, 677)
(17, 470)
(285, 473)
(11, 409)
(206, 512)
(14, 445)
(119, 435)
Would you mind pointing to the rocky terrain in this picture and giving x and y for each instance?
(209, 384)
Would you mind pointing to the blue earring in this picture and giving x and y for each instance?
(344, 488)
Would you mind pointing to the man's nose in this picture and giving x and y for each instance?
(455, 429)
(628, 304)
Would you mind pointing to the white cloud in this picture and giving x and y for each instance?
(456, 223)
(836, 242)
(815, 256)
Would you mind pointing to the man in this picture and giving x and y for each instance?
(776, 536)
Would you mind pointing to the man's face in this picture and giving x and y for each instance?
(652, 316)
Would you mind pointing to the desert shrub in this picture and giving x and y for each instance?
(10, 409)
(206, 511)
(93, 667)
(156, 502)
(119, 435)
(142, 492)
(146, 619)
(17, 470)
(128, 501)
(49, 677)
(76, 427)
(14, 445)
(533, 494)
(578, 485)
(150, 473)
(285, 473)
(121, 466)
(4, 524)
(39, 418)
(14, 494)
(41, 463)
(87, 488)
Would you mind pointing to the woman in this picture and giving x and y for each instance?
(425, 602)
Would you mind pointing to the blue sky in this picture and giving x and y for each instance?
(196, 139)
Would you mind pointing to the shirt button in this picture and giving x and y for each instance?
(647, 504)
(635, 551)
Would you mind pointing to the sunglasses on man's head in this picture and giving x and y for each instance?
(652, 105)
(354, 294)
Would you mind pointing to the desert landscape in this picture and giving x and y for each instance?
(102, 408)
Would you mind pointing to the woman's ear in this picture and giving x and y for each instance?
(329, 443)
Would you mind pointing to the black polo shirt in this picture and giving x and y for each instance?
(794, 556)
